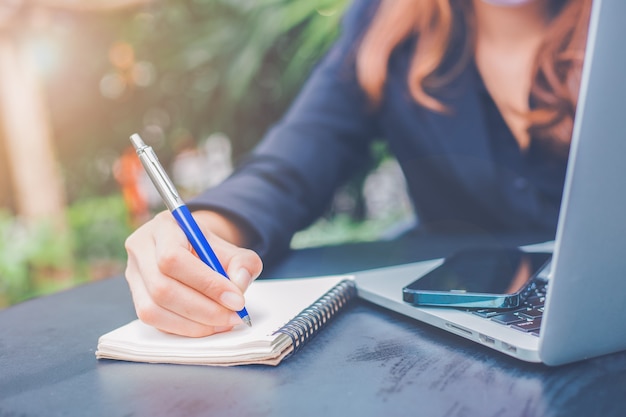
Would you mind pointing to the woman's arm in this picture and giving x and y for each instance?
(291, 176)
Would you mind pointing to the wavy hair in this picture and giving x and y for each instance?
(556, 71)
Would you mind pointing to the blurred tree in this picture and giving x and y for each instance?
(31, 156)
(175, 70)
(178, 71)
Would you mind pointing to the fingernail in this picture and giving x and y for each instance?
(242, 279)
(232, 301)
(234, 320)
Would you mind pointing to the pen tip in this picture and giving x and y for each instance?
(247, 321)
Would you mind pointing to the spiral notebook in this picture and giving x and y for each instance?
(285, 314)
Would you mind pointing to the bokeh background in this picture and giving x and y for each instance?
(201, 80)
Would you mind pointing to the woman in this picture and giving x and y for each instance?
(475, 98)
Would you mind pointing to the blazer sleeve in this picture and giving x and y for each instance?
(290, 177)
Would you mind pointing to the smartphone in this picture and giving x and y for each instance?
(479, 278)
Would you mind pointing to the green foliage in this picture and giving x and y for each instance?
(231, 66)
(99, 227)
(13, 253)
(342, 228)
(25, 250)
(234, 65)
(335, 230)
(38, 259)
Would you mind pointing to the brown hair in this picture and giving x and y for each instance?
(556, 71)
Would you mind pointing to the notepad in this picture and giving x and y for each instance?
(285, 313)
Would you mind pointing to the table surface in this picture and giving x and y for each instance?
(367, 362)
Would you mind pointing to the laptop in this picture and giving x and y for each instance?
(584, 301)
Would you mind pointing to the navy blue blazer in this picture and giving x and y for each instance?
(464, 169)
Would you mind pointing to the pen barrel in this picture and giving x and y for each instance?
(200, 244)
(196, 238)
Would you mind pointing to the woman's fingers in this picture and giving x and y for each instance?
(170, 322)
(170, 306)
(175, 260)
(174, 291)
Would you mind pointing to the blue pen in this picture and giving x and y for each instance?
(179, 210)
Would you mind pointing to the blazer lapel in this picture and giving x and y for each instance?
(464, 135)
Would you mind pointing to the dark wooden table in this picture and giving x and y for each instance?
(367, 362)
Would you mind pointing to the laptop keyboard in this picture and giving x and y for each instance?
(527, 317)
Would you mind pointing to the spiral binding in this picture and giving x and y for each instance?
(312, 319)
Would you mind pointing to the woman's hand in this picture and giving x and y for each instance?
(173, 290)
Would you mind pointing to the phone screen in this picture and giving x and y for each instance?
(498, 272)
